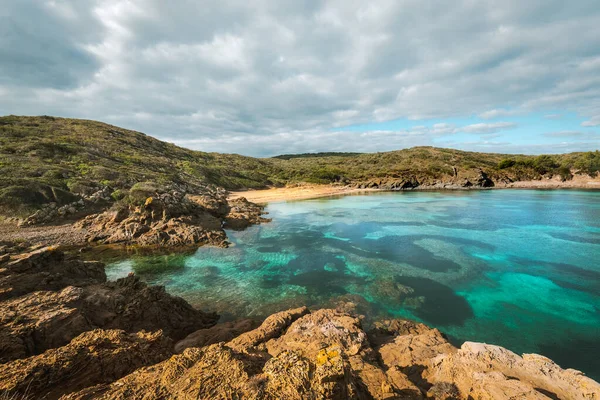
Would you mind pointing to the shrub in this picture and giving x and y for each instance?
(544, 164)
(565, 173)
(506, 163)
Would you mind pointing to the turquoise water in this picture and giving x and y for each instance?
(518, 268)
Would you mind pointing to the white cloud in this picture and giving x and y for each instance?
(594, 121)
(496, 113)
(195, 71)
(485, 129)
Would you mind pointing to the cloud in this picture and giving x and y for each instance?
(574, 135)
(206, 73)
(485, 129)
(594, 121)
(491, 114)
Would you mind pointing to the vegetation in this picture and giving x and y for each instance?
(313, 155)
(47, 159)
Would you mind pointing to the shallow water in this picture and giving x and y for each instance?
(517, 268)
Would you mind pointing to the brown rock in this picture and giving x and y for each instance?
(326, 355)
(92, 358)
(46, 269)
(271, 327)
(492, 372)
(38, 321)
(219, 333)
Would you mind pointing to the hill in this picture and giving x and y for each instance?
(47, 159)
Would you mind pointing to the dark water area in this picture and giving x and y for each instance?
(516, 268)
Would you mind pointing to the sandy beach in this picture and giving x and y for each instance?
(304, 192)
(295, 193)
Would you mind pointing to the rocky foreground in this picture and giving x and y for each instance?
(67, 333)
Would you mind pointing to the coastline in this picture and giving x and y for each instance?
(313, 191)
(65, 234)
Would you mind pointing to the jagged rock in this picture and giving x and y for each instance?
(219, 333)
(95, 357)
(46, 269)
(167, 218)
(170, 218)
(38, 321)
(483, 180)
(491, 372)
(243, 213)
(271, 327)
(327, 355)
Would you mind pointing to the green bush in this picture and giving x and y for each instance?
(544, 164)
(506, 163)
(565, 173)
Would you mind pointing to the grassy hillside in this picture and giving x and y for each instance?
(47, 159)
(429, 163)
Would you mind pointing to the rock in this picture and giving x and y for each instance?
(95, 357)
(46, 269)
(170, 218)
(326, 354)
(271, 327)
(490, 372)
(219, 333)
(483, 180)
(42, 320)
(243, 213)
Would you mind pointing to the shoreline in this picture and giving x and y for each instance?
(313, 191)
(65, 234)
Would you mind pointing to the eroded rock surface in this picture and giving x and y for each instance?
(92, 358)
(326, 354)
(45, 269)
(172, 218)
(38, 321)
(243, 213)
(77, 299)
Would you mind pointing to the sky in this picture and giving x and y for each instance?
(263, 78)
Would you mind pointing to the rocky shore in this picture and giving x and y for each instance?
(168, 217)
(67, 333)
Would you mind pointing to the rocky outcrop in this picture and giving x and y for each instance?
(471, 179)
(327, 354)
(77, 299)
(92, 358)
(171, 218)
(38, 321)
(243, 213)
(45, 269)
(53, 211)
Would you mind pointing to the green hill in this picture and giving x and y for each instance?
(47, 159)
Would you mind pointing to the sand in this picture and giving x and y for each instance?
(295, 193)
